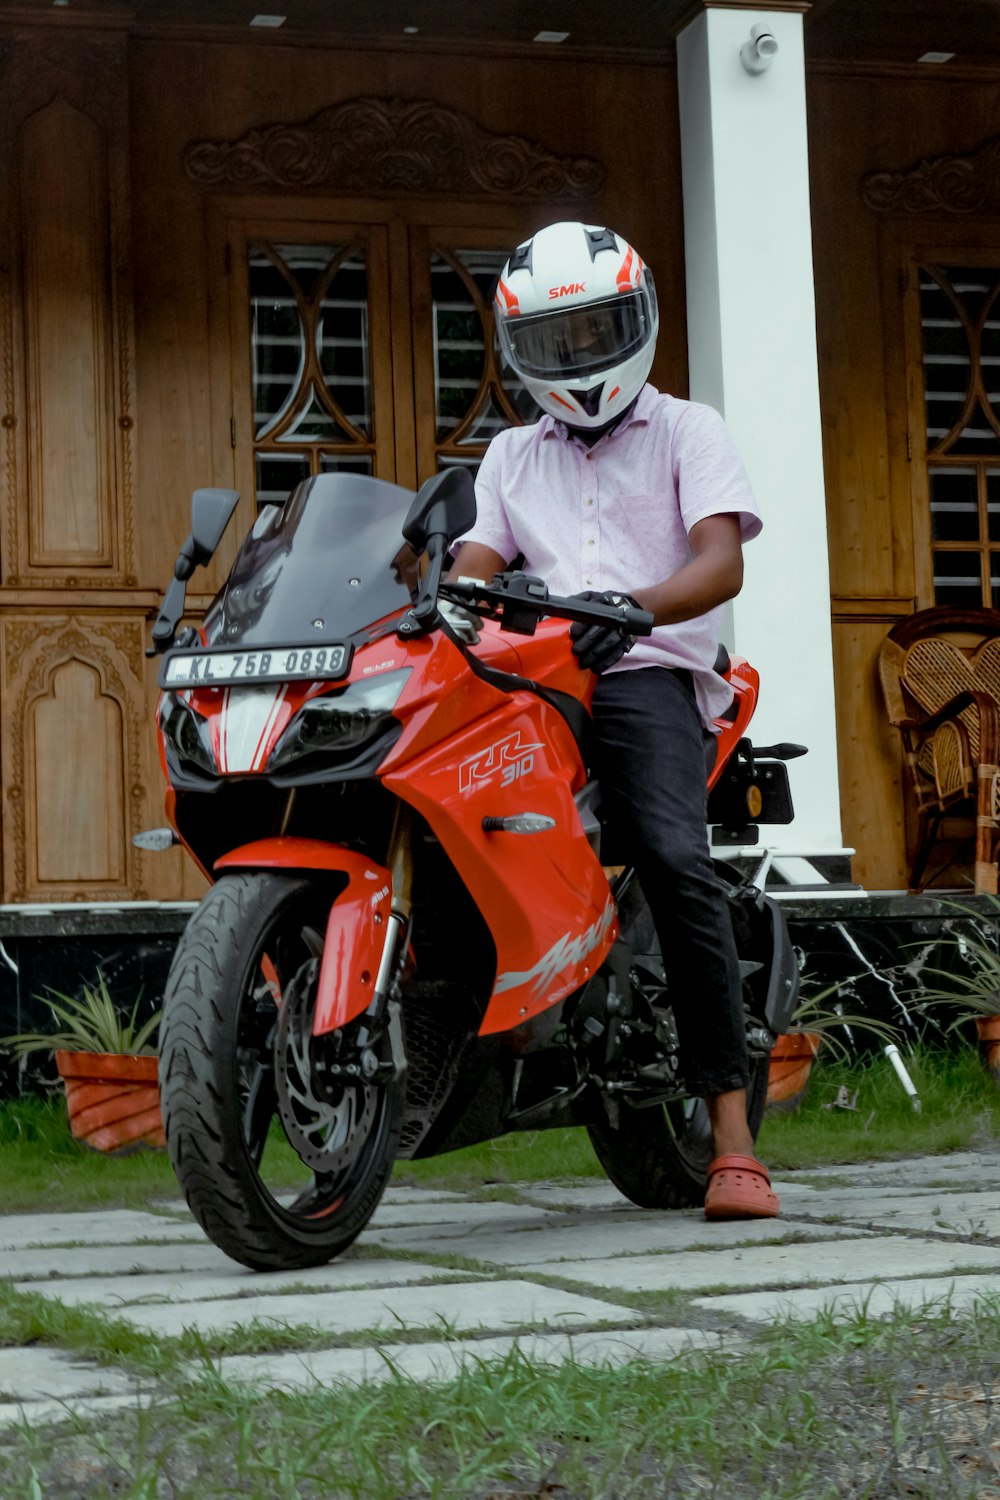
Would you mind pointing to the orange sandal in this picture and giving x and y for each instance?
(739, 1188)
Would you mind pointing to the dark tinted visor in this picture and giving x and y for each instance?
(579, 341)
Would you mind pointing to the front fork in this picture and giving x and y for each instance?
(382, 1019)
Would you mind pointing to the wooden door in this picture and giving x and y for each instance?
(363, 346)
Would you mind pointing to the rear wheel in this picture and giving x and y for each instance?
(659, 1156)
(281, 1166)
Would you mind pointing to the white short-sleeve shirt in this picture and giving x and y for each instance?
(618, 515)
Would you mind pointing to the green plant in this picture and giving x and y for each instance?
(813, 1014)
(977, 990)
(88, 1022)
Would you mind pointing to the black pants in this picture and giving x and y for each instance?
(651, 764)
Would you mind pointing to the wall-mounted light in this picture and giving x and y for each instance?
(758, 53)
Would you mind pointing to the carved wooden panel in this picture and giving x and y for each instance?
(76, 744)
(66, 462)
(392, 146)
(67, 326)
(960, 183)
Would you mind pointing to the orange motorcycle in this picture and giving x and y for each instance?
(416, 935)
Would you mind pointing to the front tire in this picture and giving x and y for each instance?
(271, 1195)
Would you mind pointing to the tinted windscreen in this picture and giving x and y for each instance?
(330, 554)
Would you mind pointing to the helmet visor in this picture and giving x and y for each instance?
(580, 341)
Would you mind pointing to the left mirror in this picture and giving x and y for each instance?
(444, 506)
(211, 512)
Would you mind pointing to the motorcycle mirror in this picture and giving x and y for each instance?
(444, 506)
(211, 512)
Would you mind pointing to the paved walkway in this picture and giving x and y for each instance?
(564, 1269)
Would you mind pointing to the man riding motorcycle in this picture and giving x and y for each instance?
(633, 497)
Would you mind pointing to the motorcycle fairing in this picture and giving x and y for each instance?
(547, 902)
(356, 929)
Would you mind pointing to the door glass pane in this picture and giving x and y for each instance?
(310, 356)
(958, 579)
(995, 580)
(960, 329)
(947, 359)
(345, 463)
(278, 474)
(469, 384)
(993, 504)
(954, 505)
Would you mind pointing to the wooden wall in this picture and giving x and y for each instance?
(873, 435)
(115, 368)
(116, 354)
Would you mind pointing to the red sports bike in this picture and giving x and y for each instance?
(415, 937)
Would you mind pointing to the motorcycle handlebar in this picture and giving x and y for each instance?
(468, 592)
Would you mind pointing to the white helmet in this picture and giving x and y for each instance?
(576, 319)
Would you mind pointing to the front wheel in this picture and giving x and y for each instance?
(281, 1166)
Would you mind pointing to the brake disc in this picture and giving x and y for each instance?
(326, 1128)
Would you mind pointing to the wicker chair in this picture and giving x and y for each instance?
(940, 673)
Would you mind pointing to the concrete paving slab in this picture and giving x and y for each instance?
(112, 1260)
(598, 1235)
(463, 1306)
(104, 1227)
(957, 1213)
(575, 1195)
(34, 1413)
(460, 1217)
(876, 1299)
(115, 1291)
(40, 1373)
(912, 1169)
(444, 1360)
(770, 1265)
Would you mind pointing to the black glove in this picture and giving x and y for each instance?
(600, 646)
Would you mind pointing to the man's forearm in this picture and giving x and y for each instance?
(693, 590)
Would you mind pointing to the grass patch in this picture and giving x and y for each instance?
(534, 1156)
(872, 1409)
(42, 1167)
(28, 1318)
(960, 1107)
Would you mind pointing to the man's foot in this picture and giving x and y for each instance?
(739, 1188)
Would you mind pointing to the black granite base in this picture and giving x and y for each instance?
(882, 945)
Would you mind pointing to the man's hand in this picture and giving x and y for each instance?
(600, 646)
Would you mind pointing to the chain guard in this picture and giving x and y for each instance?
(326, 1130)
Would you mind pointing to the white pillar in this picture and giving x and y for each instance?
(752, 346)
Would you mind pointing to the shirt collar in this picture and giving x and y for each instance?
(640, 415)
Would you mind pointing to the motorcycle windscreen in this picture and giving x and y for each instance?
(331, 559)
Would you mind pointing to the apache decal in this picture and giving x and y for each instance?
(507, 755)
(568, 950)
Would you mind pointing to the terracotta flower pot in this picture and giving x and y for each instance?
(791, 1064)
(989, 1043)
(113, 1101)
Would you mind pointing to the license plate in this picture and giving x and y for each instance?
(185, 669)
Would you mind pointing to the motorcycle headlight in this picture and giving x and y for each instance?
(341, 722)
(187, 734)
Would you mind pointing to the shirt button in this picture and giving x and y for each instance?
(588, 502)
(588, 580)
(590, 541)
(589, 457)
